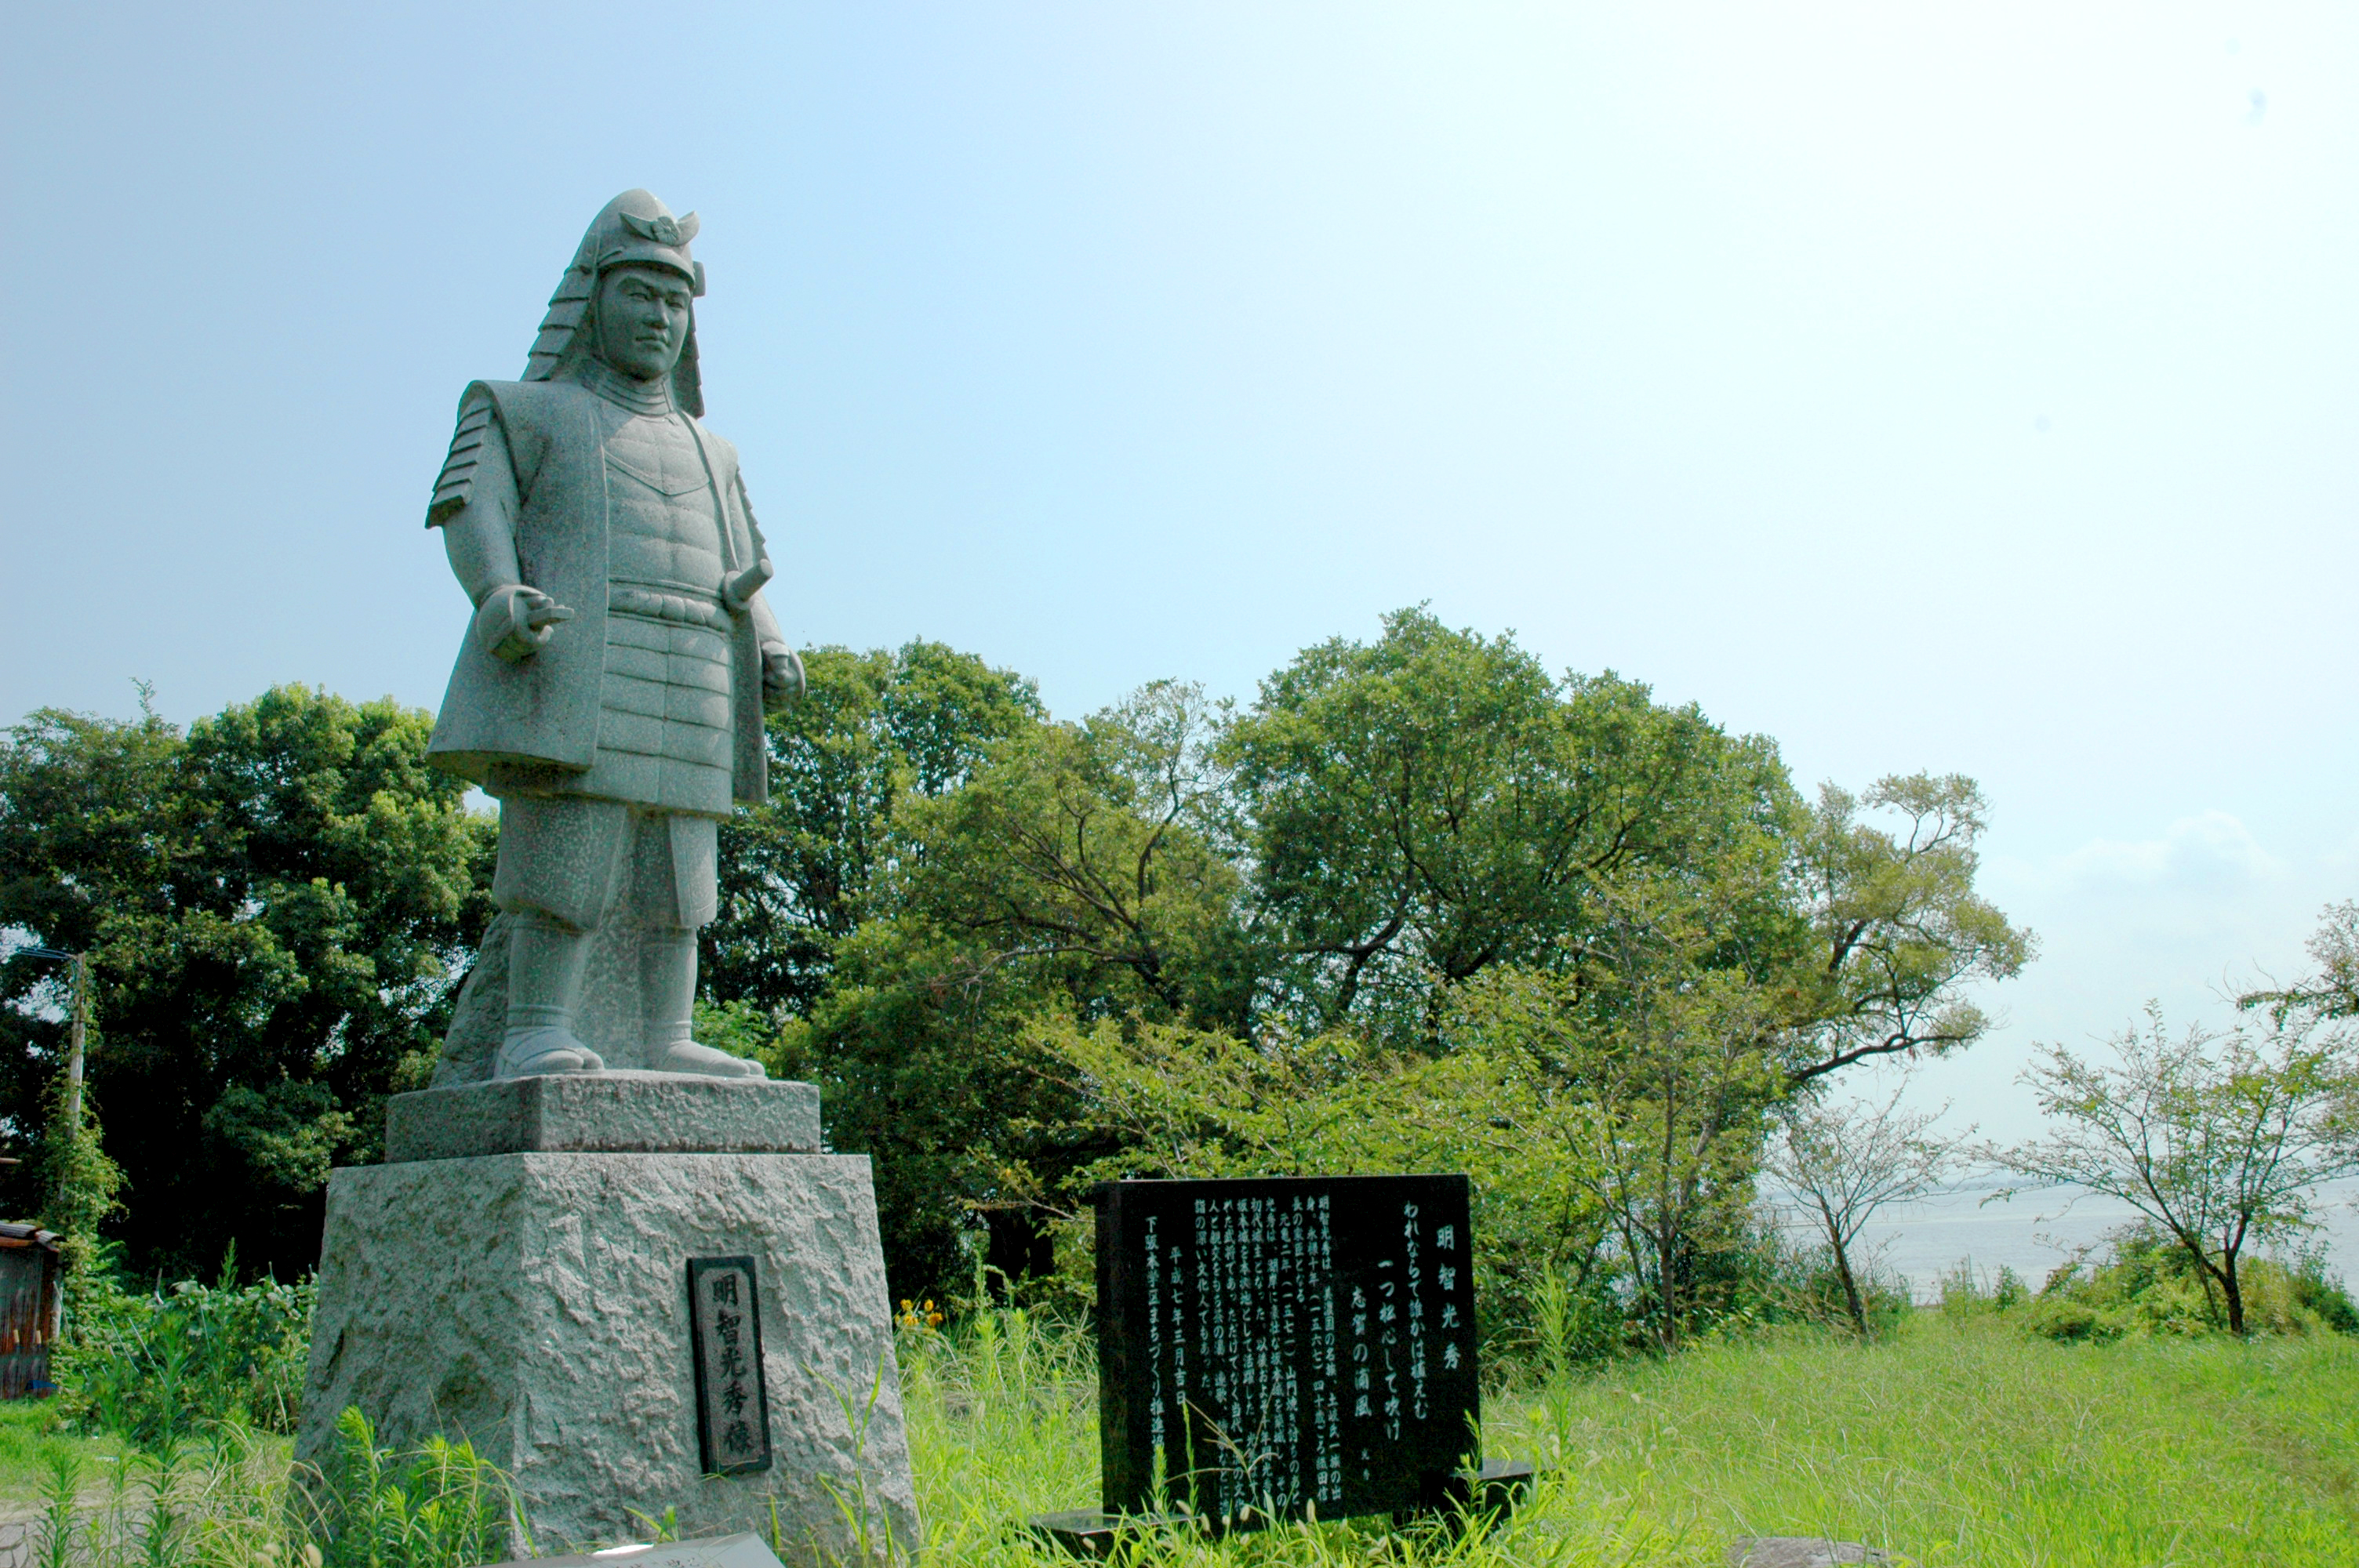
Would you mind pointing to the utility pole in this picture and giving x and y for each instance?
(76, 1033)
(77, 1027)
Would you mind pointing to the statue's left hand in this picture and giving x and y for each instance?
(782, 677)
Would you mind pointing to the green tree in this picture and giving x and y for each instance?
(2219, 1139)
(1610, 1108)
(1171, 1100)
(1652, 1063)
(1077, 853)
(1841, 1160)
(1900, 935)
(275, 905)
(1422, 809)
(2332, 990)
(1386, 827)
(1064, 874)
(796, 873)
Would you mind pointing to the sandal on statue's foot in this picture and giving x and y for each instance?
(685, 1056)
(530, 1053)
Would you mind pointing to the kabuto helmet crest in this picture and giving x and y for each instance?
(633, 228)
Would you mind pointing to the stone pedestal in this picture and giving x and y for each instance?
(522, 1282)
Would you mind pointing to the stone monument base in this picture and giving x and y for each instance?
(535, 1303)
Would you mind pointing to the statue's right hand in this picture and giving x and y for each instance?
(514, 621)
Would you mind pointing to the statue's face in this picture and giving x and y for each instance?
(642, 319)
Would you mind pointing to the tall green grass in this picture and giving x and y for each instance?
(1959, 1440)
(1966, 1441)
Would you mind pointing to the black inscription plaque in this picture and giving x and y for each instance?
(725, 1329)
(1267, 1348)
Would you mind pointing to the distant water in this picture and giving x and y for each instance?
(2035, 1231)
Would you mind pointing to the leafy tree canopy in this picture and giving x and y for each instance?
(275, 905)
(1597, 905)
(1549, 916)
(1064, 874)
(796, 873)
(1898, 934)
(1421, 809)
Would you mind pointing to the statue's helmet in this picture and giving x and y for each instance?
(634, 229)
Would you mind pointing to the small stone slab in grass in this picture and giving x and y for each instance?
(726, 1552)
(1801, 1552)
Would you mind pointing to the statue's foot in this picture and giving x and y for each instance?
(685, 1056)
(529, 1053)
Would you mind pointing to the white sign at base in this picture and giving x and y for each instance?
(720, 1552)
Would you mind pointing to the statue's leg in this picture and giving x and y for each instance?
(545, 965)
(673, 887)
(557, 872)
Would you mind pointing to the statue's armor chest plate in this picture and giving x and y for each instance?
(631, 513)
(663, 525)
(664, 700)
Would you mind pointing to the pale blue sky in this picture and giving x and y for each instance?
(1962, 386)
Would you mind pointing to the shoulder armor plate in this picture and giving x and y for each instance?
(456, 484)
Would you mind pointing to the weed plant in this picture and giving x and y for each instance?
(440, 1506)
(157, 1367)
(230, 1498)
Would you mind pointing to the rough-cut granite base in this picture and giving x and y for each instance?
(536, 1304)
(612, 1112)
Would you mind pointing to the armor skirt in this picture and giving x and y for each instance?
(664, 730)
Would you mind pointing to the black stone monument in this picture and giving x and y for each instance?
(1282, 1349)
(725, 1329)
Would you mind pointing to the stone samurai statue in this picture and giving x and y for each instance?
(611, 687)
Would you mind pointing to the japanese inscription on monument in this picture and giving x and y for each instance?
(733, 1412)
(1272, 1348)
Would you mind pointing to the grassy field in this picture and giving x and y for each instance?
(29, 1442)
(1960, 1442)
